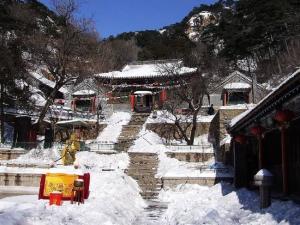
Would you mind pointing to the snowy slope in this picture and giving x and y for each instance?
(114, 199)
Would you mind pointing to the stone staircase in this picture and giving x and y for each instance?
(130, 131)
(143, 168)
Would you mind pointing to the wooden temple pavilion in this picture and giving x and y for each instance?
(267, 136)
(137, 80)
(236, 88)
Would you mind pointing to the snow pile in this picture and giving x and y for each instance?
(163, 116)
(221, 204)
(114, 128)
(38, 156)
(114, 199)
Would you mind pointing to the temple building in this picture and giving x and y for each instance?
(145, 84)
(267, 137)
(84, 101)
(237, 88)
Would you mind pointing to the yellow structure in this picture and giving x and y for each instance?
(59, 182)
(69, 151)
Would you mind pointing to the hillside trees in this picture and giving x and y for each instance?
(114, 54)
(67, 49)
(261, 31)
(14, 26)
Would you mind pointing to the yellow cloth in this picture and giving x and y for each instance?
(69, 151)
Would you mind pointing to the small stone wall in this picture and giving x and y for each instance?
(172, 182)
(190, 156)
(217, 130)
(7, 154)
(20, 179)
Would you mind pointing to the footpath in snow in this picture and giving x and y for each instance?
(114, 127)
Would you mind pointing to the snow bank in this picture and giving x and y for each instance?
(114, 199)
(221, 204)
(114, 128)
(164, 116)
(38, 156)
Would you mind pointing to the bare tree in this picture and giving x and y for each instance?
(191, 90)
(67, 50)
(185, 101)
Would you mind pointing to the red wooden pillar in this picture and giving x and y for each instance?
(164, 95)
(132, 102)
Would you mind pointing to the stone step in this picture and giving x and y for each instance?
(149, 194)
(150, 188)
(143, 163)
(142, 171)
(146, 182)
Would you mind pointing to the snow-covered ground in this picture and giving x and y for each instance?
(222, 204)
(149, 141)
(114, 198)
(114, 128)
(163, 116)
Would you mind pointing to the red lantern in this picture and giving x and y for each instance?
(257, 130)
(240, 139)
(282, 116)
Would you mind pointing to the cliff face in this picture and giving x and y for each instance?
(197, 24)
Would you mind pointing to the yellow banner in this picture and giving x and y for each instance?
(59, 182)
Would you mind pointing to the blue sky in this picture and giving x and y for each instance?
(116, 16)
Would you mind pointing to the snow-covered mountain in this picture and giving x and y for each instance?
(198, 22)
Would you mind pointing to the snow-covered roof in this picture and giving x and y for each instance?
(47, 82)
(238, 118)
(84, 92)
(237, 85)
(231, 77)
(143, 93)
(145, 70)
